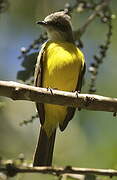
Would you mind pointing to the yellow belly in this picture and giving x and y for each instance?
(61, 66)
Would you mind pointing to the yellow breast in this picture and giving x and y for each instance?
(61, 67)
(62, 64)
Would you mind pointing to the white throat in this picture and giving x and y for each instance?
(59, 36)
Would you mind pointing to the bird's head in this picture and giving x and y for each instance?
(58, 26)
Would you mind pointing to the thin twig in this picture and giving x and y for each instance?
(98, 8)
(17, 91)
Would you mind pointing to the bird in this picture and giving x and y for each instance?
(60, 65)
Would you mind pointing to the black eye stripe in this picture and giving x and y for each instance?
(58, 25)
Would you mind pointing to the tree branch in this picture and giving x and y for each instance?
(17, 91)
(98, 8)
(11, 170)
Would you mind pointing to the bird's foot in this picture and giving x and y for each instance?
(77, 93)
(50, 89)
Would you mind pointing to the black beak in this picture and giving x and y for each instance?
(43, 23)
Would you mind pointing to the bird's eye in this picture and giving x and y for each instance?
(60, 26)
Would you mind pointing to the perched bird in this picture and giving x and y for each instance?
(60, 65)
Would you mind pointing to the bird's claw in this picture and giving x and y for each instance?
(77, 93)
(50, 89)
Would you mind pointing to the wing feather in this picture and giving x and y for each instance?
(71, 110)
(38, 82)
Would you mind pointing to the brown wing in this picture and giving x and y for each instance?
(38, 82)
(71, 110)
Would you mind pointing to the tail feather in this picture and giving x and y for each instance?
(44, 150)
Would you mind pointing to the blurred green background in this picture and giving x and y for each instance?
(90, 140)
